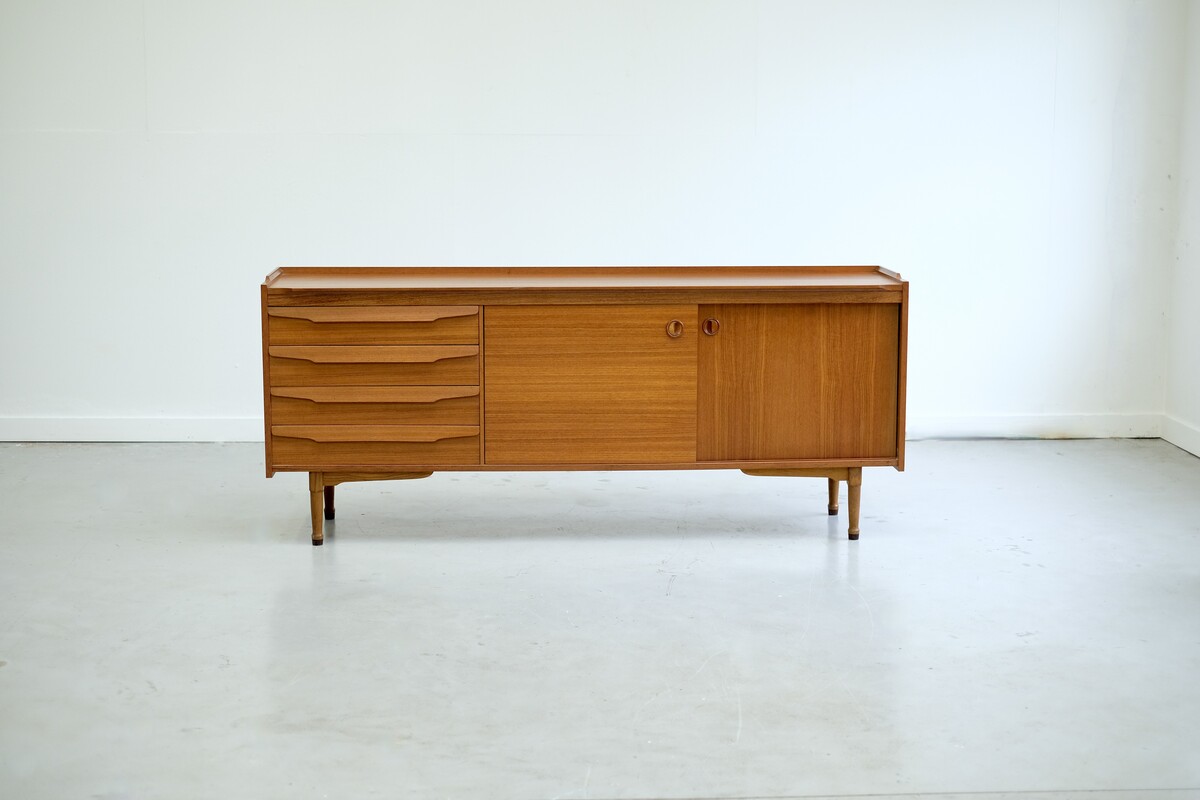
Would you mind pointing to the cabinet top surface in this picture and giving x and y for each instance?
(432, 278)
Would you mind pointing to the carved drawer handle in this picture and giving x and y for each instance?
(674, 329)
(711, 326)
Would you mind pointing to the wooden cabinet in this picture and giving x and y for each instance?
(392, 373)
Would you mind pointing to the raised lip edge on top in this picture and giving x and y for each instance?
(281, 272)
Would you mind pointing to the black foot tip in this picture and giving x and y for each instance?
(328, 514)
(854, 537)
(318, 542)
(833, 511)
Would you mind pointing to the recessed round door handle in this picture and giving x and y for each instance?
(674, 329)
(710, 326)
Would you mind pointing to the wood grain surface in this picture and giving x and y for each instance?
(315, 365)
(497, 286)
(369, 354)
(374, 433)
(798, 382)
(901, 400)
(374, 325)
(517, 278)
(358, 405)
(368, 455)
(266, 364)
(589, 384)
(348, 314)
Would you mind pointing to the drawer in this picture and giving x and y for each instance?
(381, 405)
(322, 446)
(374, 325)
(350, 365)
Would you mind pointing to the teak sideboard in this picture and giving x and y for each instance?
(395, 373)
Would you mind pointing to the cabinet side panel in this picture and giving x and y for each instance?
(482, 392)
(589, 385)
(902, 404)
(266, 384)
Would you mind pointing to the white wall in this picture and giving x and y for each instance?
(1182, 423)
(1013, 159)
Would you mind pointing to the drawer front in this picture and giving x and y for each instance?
(324, 446)
(437, 365)
(374, 325)
(380, 405)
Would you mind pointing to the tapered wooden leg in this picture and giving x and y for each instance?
(328, 502)
(833, 496)
(854, 484)
(316, 497)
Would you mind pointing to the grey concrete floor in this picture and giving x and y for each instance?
(1018, 617)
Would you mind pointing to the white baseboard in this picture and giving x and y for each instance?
(131, 429)
(249, 429)
(1181, 434)
(1037, 426)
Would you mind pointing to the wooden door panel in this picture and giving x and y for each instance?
(861, 381)
(589, 384)
(812, 381)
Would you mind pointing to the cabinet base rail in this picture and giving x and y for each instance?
(321, 486)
